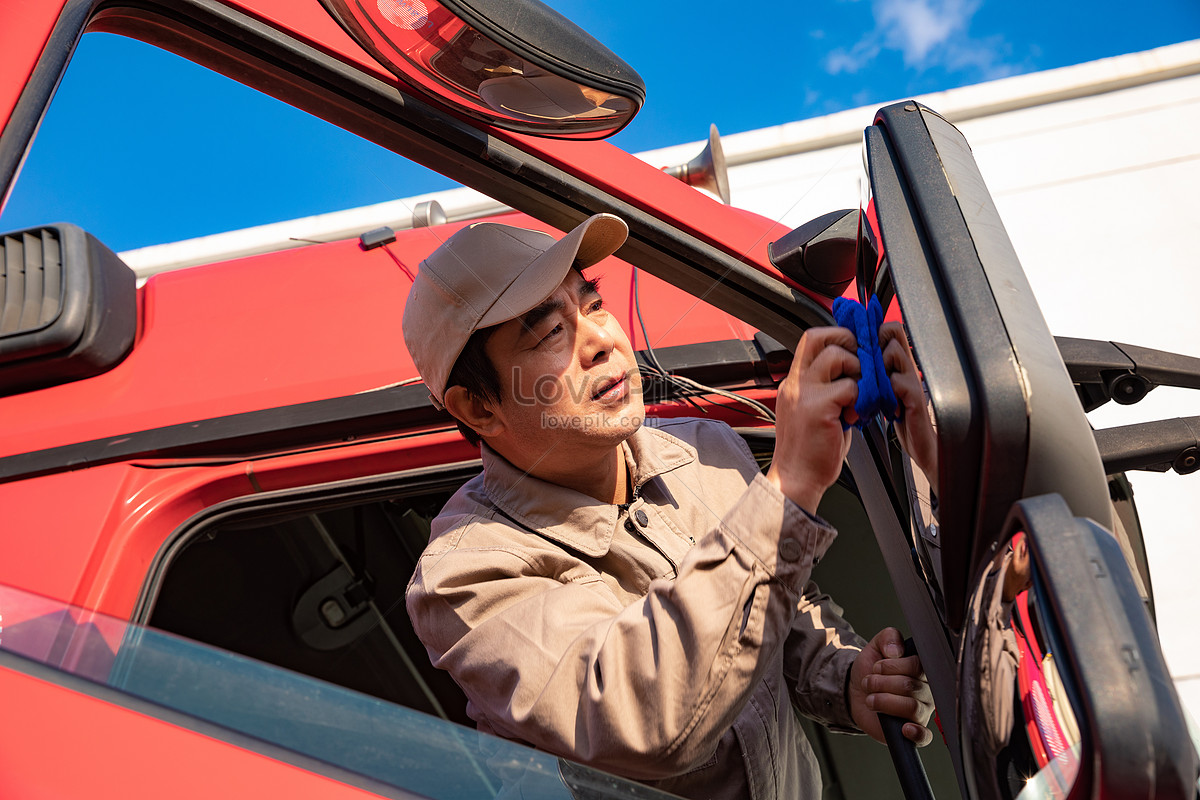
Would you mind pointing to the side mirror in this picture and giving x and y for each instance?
(1064, 691)
(519, 66)
(820, 254)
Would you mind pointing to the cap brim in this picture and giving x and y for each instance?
(593, 240)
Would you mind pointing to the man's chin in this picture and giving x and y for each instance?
(615, 427)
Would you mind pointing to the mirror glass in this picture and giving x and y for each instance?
(1018, 723)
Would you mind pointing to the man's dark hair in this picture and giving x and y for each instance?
(475, 372)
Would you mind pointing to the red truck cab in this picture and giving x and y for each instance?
(215, 484)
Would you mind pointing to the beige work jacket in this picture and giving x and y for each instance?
(667, 642)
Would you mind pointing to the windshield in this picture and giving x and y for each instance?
(363, 734)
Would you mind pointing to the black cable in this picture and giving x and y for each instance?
(686, 388)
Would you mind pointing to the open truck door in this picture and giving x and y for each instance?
(1016, 572)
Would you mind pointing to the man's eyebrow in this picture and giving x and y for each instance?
(531, 318)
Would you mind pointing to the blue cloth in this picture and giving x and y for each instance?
(875, 393)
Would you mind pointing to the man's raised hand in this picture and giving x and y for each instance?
(810, 439)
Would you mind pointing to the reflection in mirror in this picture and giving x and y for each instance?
(925, 535)
(1018, 722)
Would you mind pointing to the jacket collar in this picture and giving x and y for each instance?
(569, 517)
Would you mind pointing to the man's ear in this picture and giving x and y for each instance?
(476, 413)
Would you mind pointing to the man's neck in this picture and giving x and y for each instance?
(606, 478)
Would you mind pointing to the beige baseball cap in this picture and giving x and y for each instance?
(489, 273)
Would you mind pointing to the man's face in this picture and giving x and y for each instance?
(568, 377)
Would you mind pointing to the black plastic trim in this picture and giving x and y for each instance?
(90, 321)
(1123, 373)
(538, 32)
(821, 253)
(912, 591)
(1156, 446)
(933, 326)
(239, 436)
(324, 422)
(35, 98)
(1010, 424)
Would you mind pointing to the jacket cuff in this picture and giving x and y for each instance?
(843, 722)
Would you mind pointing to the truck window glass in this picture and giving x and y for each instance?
(322, 723)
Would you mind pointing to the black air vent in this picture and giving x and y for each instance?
(68, 307)
(31, 290)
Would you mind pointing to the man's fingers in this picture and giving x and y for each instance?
(902, 706)
(909, 665)
(918, 734)
(905, 685)
(843, 395)
(893, 341)
(834, 362)
(889, 643)
(895, 357)
(890, 330)
(816, 340)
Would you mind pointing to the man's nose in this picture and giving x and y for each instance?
(595, 342)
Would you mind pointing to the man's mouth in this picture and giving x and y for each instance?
(610, 387)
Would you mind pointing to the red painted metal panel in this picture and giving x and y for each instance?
(57, 743)
(305, 324)
(23, 35)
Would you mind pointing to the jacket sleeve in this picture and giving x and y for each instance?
(646, 689)
(818, 654)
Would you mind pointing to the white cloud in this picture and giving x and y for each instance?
(926, 33)
(854, 59)
(988, 58)
(917, 27)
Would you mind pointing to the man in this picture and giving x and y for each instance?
(629, 593)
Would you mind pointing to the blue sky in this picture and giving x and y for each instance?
(141, 147)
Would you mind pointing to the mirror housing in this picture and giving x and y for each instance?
(518, 66)
(820, 254)
(68, 307)
(1060, 663)
(1008, 418)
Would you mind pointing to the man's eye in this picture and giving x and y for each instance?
(596, 306)
(550, 334)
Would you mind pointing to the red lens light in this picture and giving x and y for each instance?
(429, 47)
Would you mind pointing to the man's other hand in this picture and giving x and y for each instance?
(915, 427)
(883, 681)
(810, 441)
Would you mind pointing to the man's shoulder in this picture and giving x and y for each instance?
(713, 440)
(691, 429)
(469, 507)
(472, 520)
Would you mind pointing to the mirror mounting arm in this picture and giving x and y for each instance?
(1123, 373)
(1156, 446)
